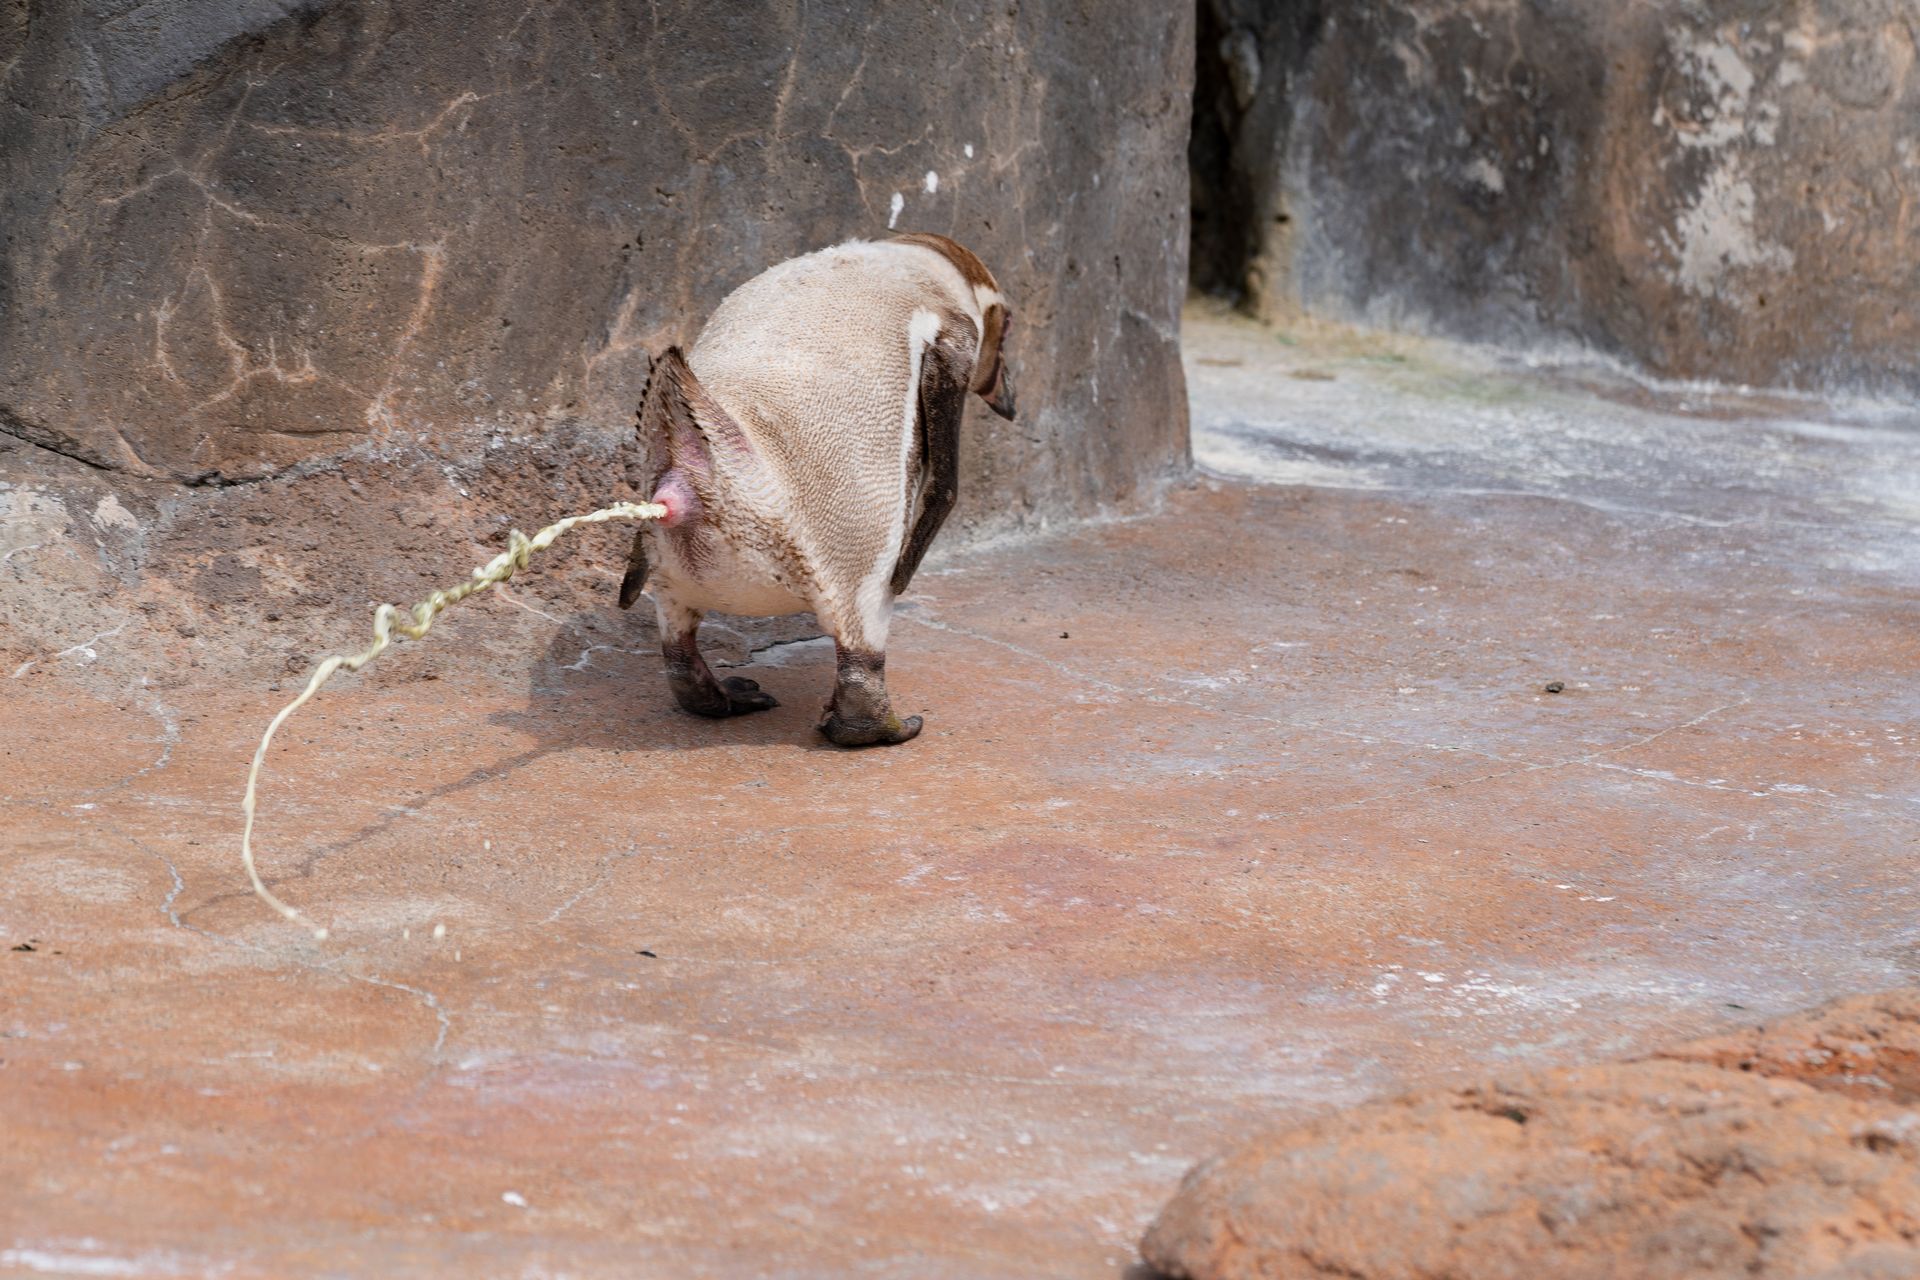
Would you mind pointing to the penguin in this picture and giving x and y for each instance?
(807, 452)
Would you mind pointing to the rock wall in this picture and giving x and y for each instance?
(246, 235)
(1717, 190)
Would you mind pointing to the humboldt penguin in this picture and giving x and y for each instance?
(807, 452)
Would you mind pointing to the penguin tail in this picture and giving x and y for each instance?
(635, 579)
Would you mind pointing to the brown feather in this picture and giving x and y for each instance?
(970, 267)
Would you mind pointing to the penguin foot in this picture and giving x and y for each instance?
(849, 731)
(745, 695)
(718, 699)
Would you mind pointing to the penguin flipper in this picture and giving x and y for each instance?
(679, 425)
(942, 404)
(654, 424)
(677, 417)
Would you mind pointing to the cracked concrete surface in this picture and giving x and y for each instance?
(1236, 812)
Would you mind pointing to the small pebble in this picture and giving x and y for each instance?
(1556, 686)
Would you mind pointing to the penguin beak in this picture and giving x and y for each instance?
(1000, 398)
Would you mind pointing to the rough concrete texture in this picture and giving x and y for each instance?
(242, 235)
(1715, 190)
(1242, 812)
(1656, 1170)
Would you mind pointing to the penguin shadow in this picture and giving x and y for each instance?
(600, 685)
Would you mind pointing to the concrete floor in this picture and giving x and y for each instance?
(1246, 810)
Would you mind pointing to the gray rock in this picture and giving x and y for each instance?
(1712, 190)
(243, 235)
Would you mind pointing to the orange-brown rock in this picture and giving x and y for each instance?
(1867, 1047)
(1714, 1160)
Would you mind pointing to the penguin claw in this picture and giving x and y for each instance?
(846, 732)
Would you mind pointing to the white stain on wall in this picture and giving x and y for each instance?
(1487, 174)
(1714, 234)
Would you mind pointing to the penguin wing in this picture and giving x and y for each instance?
(678, 425)
(942, 394)
(654, 426)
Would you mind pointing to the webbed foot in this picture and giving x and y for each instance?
(692, 680)
(860, 714)
(854, 731)
(718, 699)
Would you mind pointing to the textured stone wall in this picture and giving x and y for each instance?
(1717, 190)
(242, 235)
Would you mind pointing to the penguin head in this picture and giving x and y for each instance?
(978, 294)
(992, 378)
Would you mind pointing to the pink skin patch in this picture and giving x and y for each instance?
(678, 497)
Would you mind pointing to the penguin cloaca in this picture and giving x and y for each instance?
(807, 452)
